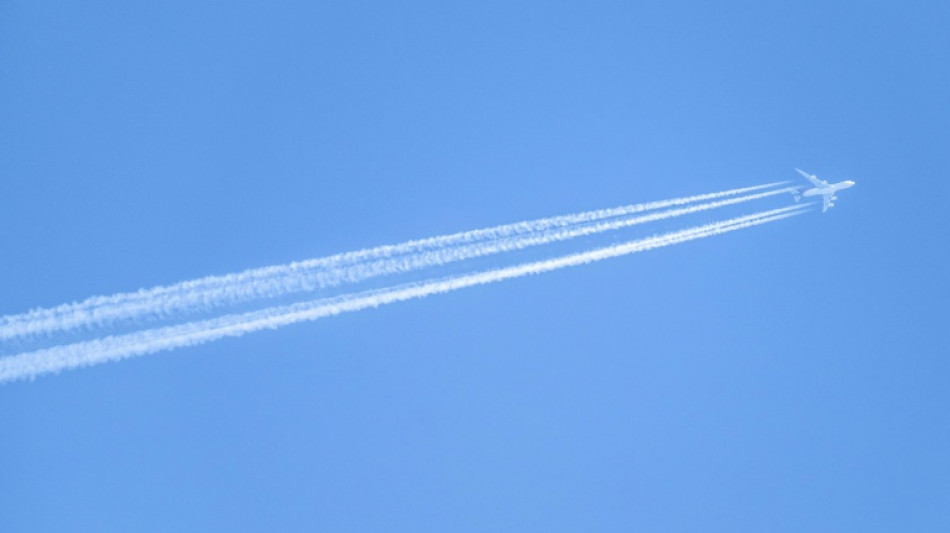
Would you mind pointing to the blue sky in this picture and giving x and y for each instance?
(789, 377)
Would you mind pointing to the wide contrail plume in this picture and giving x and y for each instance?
(27, 365)
(306, 276)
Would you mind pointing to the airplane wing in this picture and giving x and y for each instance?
(825, 202)
(812, 178)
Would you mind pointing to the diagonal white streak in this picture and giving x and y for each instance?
(328, 272)
(31, 364)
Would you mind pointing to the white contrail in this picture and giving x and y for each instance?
(311, 281)
(31, 364)
(327, 272)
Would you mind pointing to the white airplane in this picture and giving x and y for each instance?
(822, 188)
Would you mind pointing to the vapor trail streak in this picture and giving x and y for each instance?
(271, 282)
(311, 281)
(31, 364)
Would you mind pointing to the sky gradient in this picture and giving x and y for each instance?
(788, 377)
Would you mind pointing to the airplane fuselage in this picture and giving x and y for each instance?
(829, 189)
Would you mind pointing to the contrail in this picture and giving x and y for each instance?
(271, 282)
(311, 281)
(31, 364)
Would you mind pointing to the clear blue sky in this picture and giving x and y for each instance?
(792, 377)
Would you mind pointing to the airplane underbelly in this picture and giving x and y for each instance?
(811, 192)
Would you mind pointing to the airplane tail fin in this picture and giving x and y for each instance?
(796, 196)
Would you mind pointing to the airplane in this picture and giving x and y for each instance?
(822, 188)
